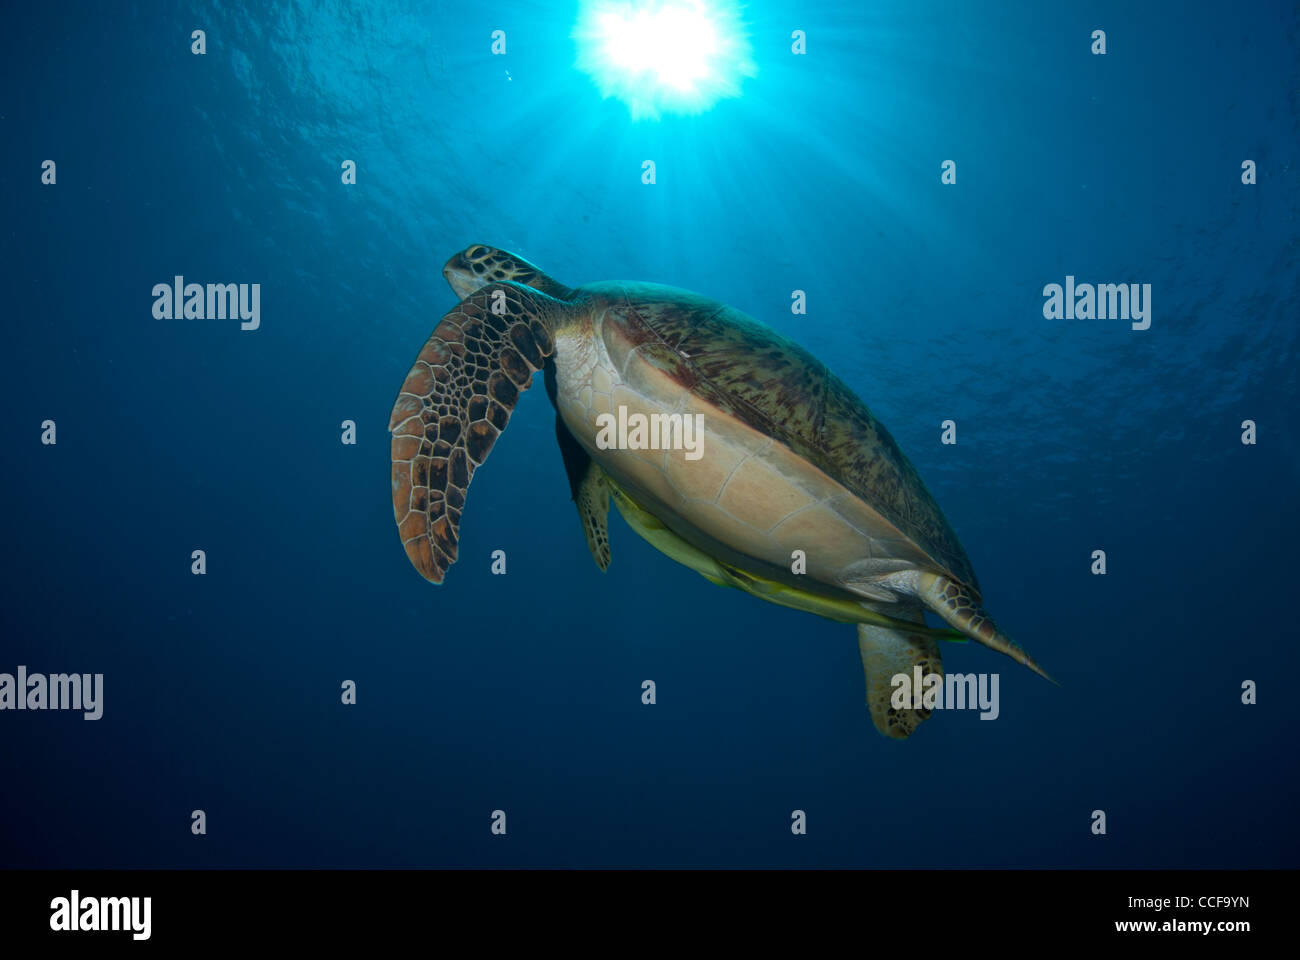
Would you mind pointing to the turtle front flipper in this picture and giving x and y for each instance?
(590, 490)
(593, 508)
(886, 653)
(454, 404)
(959, 608)
(588, 485)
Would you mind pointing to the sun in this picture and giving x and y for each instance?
(664, 56)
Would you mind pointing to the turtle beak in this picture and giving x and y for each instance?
(460, 277)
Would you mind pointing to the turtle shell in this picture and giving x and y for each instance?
(780, 389)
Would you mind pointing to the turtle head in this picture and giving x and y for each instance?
(478, 265)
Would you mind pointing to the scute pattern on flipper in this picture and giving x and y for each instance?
(885, 653)
(454, 404)
(752, 372)
(593, 507)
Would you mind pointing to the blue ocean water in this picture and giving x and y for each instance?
(523, 693)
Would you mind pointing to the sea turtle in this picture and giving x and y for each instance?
(797, 495)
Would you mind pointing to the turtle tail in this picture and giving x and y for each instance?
(957, 606)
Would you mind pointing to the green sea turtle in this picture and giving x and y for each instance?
(797, 494)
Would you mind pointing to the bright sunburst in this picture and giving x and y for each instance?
(664, 56)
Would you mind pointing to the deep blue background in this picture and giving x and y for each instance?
(523, 692)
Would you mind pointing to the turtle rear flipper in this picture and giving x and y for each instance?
(886, 653)
(455, 402)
